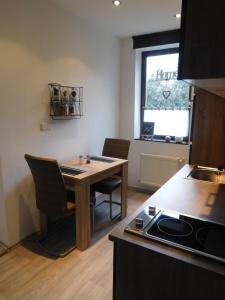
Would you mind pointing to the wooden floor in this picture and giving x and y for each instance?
(87, 275)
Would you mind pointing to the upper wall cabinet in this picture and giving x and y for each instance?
(208, 130)
(202, 46)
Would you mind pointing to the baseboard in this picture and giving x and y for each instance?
(141, 190)
(3, 249)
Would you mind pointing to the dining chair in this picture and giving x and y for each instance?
(117, 148)
(52, 198)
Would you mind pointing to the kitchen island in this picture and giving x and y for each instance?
(145, 269)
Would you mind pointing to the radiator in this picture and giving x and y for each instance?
(155, 170)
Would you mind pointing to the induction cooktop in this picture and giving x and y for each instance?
(191, 234)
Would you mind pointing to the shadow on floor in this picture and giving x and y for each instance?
(62, 239)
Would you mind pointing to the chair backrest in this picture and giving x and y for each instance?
(50, 189)
(118, 148)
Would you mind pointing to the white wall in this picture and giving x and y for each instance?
(39, 44)
(130, 115)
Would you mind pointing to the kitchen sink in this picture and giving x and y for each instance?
(212, 175)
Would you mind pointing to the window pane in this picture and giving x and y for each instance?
(168, 122)
(166, 102)
(163, 91)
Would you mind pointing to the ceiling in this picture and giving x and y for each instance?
(133, 17)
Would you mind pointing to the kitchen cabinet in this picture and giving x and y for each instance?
(202, 44)
(208, 130)
(202, 39)
(146, 269)
(149, 275)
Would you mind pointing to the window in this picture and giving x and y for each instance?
(165, 100)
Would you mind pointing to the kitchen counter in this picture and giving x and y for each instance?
(188, 196)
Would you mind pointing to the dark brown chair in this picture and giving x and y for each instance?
(52, 198)
(117, 148)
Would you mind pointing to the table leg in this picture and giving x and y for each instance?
(83, 231)
(124, 191)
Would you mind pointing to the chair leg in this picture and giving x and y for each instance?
(92, 218)
(93, 201)
(44, 224)
(110, 206)
(111, 202)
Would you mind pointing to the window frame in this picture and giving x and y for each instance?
(145, 55)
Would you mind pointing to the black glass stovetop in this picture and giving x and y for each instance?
(185, 232)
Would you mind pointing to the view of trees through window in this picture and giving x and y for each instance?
(166, 98)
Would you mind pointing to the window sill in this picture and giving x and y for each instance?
(161, 141)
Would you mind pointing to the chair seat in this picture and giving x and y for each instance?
(70, 206)
(106, 186)
(70, 201)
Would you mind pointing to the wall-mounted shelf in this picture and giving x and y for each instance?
(66, 102)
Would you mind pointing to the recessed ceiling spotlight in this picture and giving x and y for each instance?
(117, 2)
(178, 16)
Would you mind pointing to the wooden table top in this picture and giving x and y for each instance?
(192, 197)
(93, 168)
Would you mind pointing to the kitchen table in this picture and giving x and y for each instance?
(93, 172)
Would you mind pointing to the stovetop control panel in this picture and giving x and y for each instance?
(195, 235)
(142, 220)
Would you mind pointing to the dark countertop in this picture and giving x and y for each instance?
(192, 197)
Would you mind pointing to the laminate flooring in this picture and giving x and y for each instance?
(26, 273)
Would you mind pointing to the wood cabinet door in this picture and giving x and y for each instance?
(208, 131)
(202, 45)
